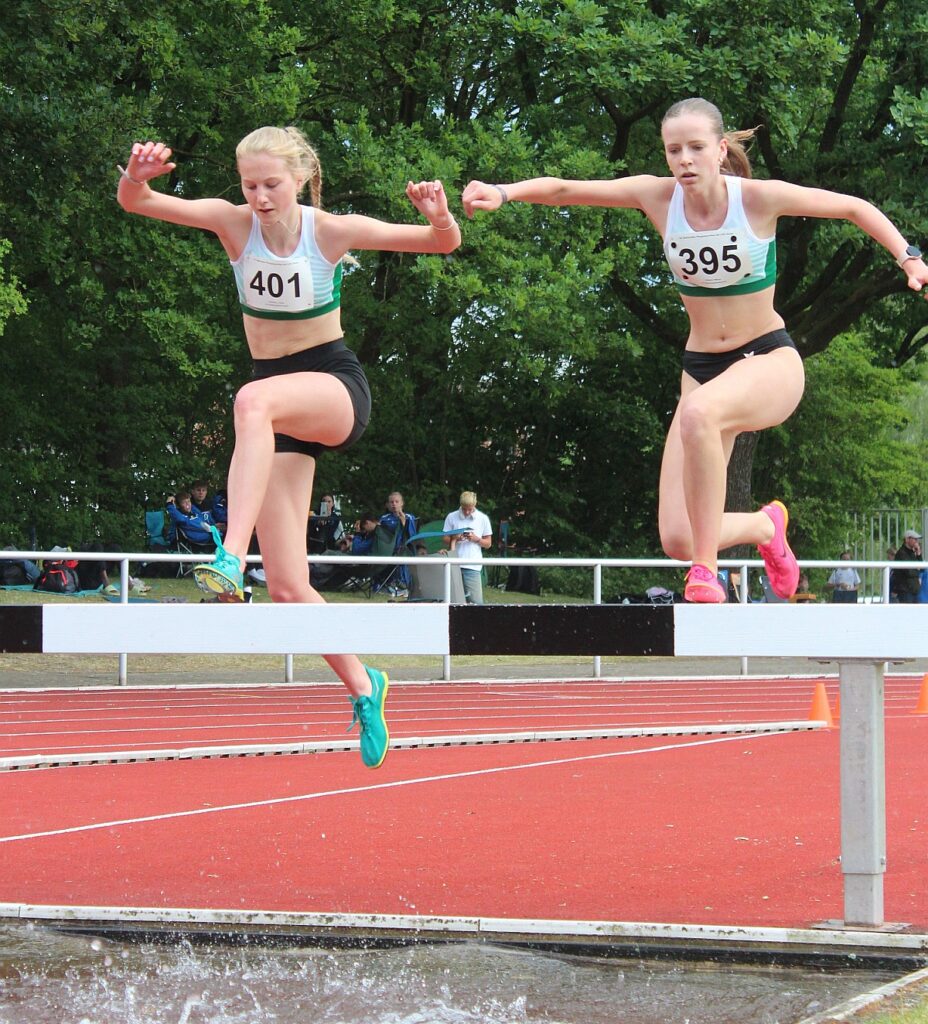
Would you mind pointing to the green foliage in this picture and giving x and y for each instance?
(12, 302)
(538, 364)
(843, 451)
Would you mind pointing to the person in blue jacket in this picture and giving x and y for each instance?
(194, 524)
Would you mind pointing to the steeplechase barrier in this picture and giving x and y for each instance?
(860, 639)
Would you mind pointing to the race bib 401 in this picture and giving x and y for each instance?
(279, 285)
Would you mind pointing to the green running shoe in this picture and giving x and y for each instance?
(222, 576)
(368, 712)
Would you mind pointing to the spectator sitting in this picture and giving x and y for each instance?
(220, 510)
(362, 543)
(844, 583)
(202, 500)
(92, 574)
(215, 504)
(17, 572)
(192, 523)
(323, 530)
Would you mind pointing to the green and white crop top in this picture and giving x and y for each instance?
(295, 287)
(730, 260)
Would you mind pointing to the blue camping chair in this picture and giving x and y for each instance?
(160, 538)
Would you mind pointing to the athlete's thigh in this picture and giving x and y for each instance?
(671, 511)
(283, 517)
(755, 393)
(310, 406)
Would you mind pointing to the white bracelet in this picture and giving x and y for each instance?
(447, 227)
(128, 176)
(502, 192)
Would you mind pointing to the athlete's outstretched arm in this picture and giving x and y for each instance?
(633, 193)
(150, 160)
(782, 198)
(338, 233)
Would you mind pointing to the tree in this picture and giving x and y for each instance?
(538, 364)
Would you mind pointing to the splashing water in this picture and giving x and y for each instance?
(48, 977)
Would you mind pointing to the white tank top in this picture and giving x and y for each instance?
(295, 287)
(730, 260)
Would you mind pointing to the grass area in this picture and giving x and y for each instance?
(910, 1006)
(184, 589)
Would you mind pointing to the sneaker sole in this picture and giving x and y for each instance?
(212, 582)
(789, 550)
(690, 595)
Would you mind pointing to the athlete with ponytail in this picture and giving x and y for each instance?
(741, 370)
(308, 392)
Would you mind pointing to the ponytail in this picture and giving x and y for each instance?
(736, 159)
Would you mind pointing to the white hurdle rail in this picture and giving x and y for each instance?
(861, 639)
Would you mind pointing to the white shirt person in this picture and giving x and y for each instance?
(470, 544)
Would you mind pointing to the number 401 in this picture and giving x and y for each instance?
(274, 284)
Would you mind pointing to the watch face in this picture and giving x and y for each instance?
(914, 252)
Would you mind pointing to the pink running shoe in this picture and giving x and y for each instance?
(703, 587)
(779, 561)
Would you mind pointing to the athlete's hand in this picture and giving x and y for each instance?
(429, 198)
(480, 196)
(917, 272)
(149, 160)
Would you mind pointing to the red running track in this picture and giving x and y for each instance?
(99, 720)
(711, 830)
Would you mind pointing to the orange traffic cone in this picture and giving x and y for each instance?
(837, 711)
(921, 708)
(821, 709)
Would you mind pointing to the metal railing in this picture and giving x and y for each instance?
(595, 565)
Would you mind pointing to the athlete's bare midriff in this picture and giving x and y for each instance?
(273, 339)
(726, 323)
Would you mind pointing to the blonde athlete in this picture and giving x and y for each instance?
(308, 392)
(741, 370)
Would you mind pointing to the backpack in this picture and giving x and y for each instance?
(12, 573)
(57, 578)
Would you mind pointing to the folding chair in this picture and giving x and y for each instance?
(186, 546)
(160, 539)
(382, 576)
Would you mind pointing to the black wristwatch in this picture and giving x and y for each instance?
(910, 252)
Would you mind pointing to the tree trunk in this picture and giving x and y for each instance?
(738, 488)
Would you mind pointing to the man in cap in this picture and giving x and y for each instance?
(905, 584)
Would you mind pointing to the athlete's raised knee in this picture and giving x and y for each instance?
(698, 418)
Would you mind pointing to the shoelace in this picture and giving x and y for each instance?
(362, 713)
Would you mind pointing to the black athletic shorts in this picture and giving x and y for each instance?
(704, 366)
(333, 357)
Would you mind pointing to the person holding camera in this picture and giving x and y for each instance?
(468, 533)
(905, 584)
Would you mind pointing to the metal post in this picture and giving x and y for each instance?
(743, 592)
(288, 668)
(123, 599)
(446, 658)
(597, 599)
(863, 792)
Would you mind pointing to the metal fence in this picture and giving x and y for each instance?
(879, 570)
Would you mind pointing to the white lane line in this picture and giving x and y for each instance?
(96, 826)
